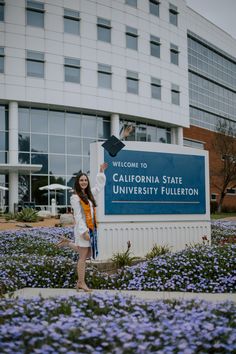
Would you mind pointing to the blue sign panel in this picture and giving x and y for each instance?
(154, 183)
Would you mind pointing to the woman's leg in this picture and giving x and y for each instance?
(83, 254)
(65, 242)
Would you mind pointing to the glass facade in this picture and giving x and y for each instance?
(209, 63)
(3, 134)
(146, 132)
(60, 141)
(4, 179)
(212, 84)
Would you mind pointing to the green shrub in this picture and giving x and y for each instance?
(28, 215)
(9, 216)
(122, 259)
(157, 250)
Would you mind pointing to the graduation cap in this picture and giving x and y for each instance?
(113, 146)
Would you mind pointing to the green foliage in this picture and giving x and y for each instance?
(28, 215)
(122, 259)
(9, 216)
(217, 215)
(157, 250)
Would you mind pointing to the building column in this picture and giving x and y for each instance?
(13, 154)
(115, 125)
(177, 136)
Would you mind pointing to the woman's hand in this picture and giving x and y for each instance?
(103, 167)
(86, 236)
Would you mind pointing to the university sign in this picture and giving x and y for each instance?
(143, 182)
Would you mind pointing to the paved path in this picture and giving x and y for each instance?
(28, 293)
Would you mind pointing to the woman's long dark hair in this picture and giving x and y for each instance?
(88, 195)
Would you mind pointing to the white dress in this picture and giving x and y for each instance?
(80, 223)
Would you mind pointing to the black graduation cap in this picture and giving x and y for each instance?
(113, 145)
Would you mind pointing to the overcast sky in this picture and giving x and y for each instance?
(221, 12)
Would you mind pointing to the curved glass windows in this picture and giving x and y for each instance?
(56, 122)
(147, 132)
(89, 126)
(39, 143)
(56, 144)
(3, 134)
(60, 142)
(86, 145)
(73, 124)
(24, 142)
(57, 164)
(24, 120)
(39, 120)
(74, 164)
(40, 159)
(74, 146)
(24, 158)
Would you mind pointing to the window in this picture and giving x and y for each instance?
(175, 94)
(104, 76)
(173, 15)
(155, 46)
(156, 88)
(71, 21)
(131, 38)
(231, 191)
(194, 144)
(213, 197)
(104, 30)
(131, 3)
(72, 70)
(1, 60)
(229, 158)
(154, 7)
(2, 4)
(174, 54)
(132, 82)
(35, 14)
(35, 64)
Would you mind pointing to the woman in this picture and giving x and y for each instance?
(85, 230)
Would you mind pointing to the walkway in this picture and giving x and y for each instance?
(28, 293)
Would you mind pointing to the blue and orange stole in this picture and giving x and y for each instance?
(92, 226)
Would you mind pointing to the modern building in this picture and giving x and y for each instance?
(73, 72)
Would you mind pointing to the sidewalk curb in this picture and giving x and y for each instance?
(28, 293)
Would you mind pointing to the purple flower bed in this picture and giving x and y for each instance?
(223, 232)
(196, 269)
(29, 258)
(116, 324)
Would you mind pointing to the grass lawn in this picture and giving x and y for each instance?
(217, 216)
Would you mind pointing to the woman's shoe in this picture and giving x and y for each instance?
(83, 287)
(63, 242)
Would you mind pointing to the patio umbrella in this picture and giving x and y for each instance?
(54, 187)
(1, 196)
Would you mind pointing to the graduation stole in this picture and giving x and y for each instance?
(90, 221)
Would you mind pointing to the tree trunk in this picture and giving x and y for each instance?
(222, 195)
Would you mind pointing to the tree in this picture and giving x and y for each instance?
(224, 174)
